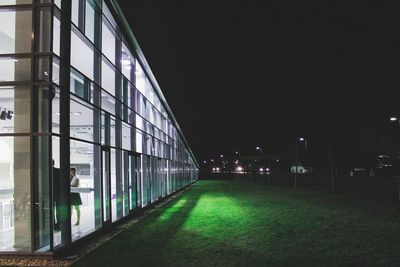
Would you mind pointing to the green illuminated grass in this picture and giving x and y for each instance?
(233, 223)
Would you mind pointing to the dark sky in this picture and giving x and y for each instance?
(243, 73)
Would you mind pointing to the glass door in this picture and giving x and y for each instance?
(106, 184)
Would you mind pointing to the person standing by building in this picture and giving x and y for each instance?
(57, 198)
(76, 200)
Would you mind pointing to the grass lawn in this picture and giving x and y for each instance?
(236, 223)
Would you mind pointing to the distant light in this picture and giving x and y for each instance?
(258, 148)
(46, 73)
(267, 169)
(212, 160)
(301, 139)
(393, 119)
(261, 169)
(205, 162)
(277, 160)
(237, 152)
(222, 156)
(239, 168)
(217, 169)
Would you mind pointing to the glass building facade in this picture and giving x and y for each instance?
(76, 92)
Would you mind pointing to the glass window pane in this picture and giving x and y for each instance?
(15, 194)
(140, 79)
(42, 112)
(81, 120)
(56, 71)
(14, 2)
(108, 77)
(15, 109)
(57, 3)
(126, 136)
(12, 69)
(90, 20)
(75, 12)
(107, 102)
(139, 141)
(42, 194)
(15, 31)
(82, 55)
(56, 110)
(128, 62)
(108, 41)
(56, 34)
(85, 198)
(77, 84)
(43, 24)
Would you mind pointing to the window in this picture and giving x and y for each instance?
(139, 141)
(55, 114)
(85, 158)
(78, 85)
(15, 2)
(15, 27)
(140, 79)
(108, 77)
(126, 136)
(15, 109)
(15, 195)
(76, 6)
(57, 3)
(15, 69)
(128, 62)
(92, 22)
(56, 34)
(81, 119)
(107, 102)
(108, 41)
(82, 54)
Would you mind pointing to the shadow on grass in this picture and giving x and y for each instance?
(140, 244)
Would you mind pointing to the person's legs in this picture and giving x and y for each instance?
(78, 214)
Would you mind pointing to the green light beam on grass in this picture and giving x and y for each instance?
(169, 212)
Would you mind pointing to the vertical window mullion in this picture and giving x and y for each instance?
(81, 16)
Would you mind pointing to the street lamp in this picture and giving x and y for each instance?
(301, 139)
(260, 149)
(394, 119)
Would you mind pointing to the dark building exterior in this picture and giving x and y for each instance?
(76, 93)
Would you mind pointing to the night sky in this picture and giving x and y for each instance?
(238, 74)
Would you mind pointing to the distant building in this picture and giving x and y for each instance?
(76, 91)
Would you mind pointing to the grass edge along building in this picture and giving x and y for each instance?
(78, 99)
